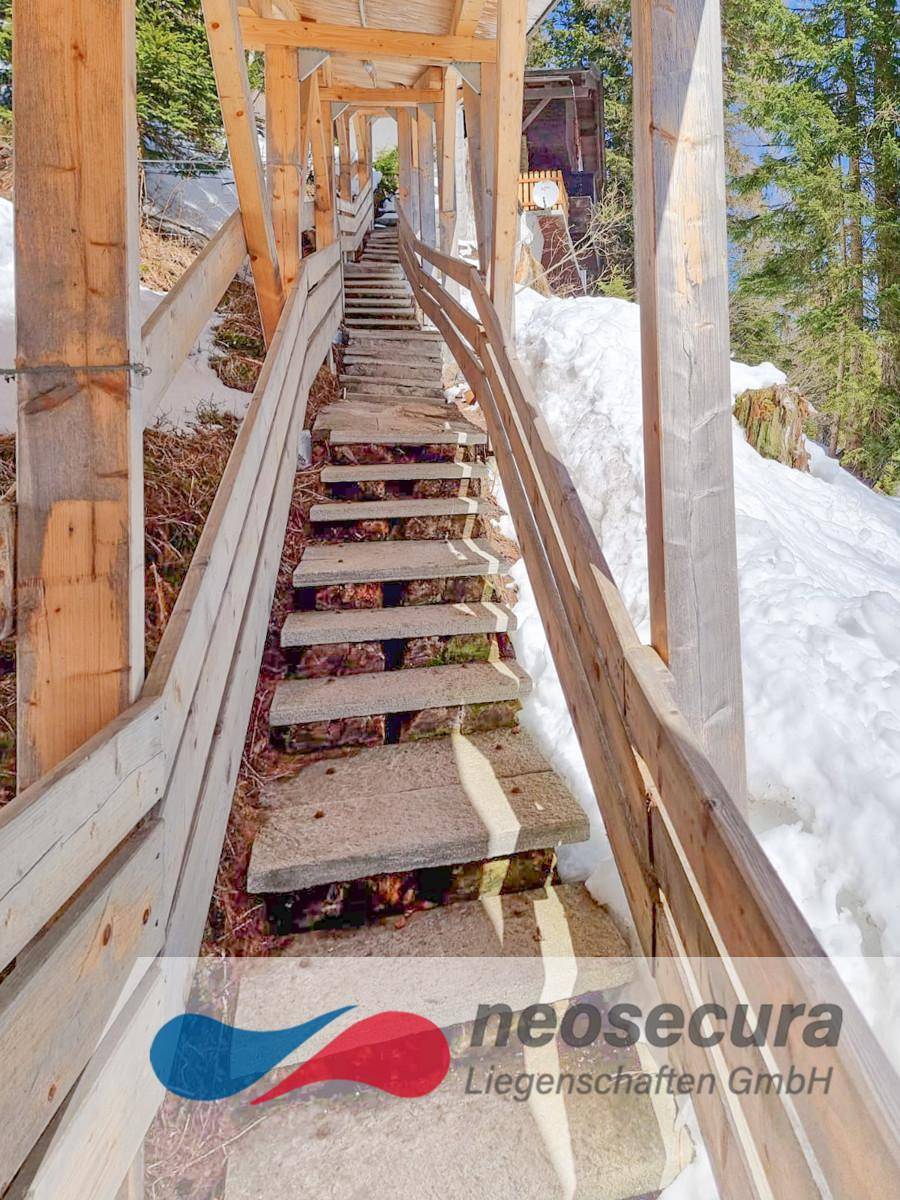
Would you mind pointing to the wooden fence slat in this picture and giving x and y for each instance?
(180, 317)
(57, 832)
(62, 991)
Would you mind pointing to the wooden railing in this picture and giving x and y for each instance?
(107, 863)
(526, 190)
(356, 217)
(710, 911)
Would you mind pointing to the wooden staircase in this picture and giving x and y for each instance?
(436, 834)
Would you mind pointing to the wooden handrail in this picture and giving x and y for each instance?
(698, 883)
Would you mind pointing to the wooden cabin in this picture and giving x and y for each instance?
(109, 852)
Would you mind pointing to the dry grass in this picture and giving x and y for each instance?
(164, 257)
(240, 348)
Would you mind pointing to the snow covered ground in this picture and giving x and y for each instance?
(819, 563)
(195, 384)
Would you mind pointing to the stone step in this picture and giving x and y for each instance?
(407, 422)
(465, 1140)
(393, 351)
(313, 842)
(352, 323)
(403, 471)
(383, 371)
(390, 624)
(385, 562)
(301, 701)
(422, 337)
(369, 387)
(399, 507)
(376, 302)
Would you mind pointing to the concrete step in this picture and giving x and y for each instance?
(390, 624)
(384, 562)
(398, 507)
(483, 817)
(404, 471)
(407, 422)
(300, 701)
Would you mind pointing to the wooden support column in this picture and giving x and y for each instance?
(80, 652)
(426, 177)
(283, 157)
(446, 130)
(320, 139)
(409, 184)
(511, 28)
(472, 109)
(488, 128)
(229, 64)
(345, 186)
(681, 255)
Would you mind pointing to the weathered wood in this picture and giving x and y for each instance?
(472, 110)
(230, 67)
(57, 832)
(510, 69)
(319, 127)
(366, 43)
(408, 182)
(79, 458)
(342, 128)
(132, 1187)
(426, 179)
(446, 130)
(377, 97)
(682, 271)
(180, 317)
(285, 160)
(488, 129)
(63, 989)
(7, 568)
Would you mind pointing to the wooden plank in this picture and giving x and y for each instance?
(63, 989)
(426, 178)
(285, 160)
(229, 65)
(487, 101)
(408, 183)
(366, 43)
(132, 1187)
(173, 327)
(510, 70)
(682, 268)
(7, 568)
(472, 110)
(466, 16)
(446, 129)
(342, 128)
(80, 551)
(56, 833)
(320, 138)
(377, 97)
(90, 1143)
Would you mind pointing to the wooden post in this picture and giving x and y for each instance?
(446, 128)
(345, 187)
(79, 455)
(409, 184)
(283, 156)
(229, 64)
(427, 194)
(488, 129)
(511, 27)
(472, 109)
(682, 269)
(320, 140)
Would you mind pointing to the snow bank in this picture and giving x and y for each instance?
(196, 383)
(819, 564)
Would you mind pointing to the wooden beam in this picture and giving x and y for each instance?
(682, 274)
(342, 127)
(377, 97)
(488, 106)
(472, 109)
(535, 112)
(426, 179)
(79, 462)
(510, 70)
(320, 139)
(366, 43)
(408, 183)
(285, 164)
(466, 17)
(445, 127)
(230, 69)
